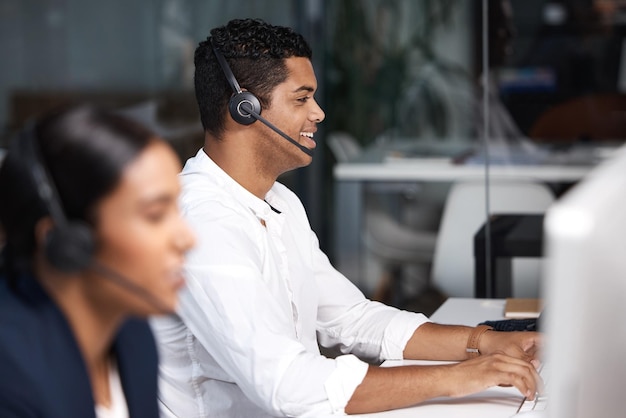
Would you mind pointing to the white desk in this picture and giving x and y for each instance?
(469, 311)
(492, 403)
(376, 166)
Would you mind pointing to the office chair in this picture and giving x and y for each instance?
(464, 214)
(395, 245)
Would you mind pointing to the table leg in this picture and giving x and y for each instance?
(347, 229)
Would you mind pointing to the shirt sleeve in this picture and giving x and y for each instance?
(350, 323)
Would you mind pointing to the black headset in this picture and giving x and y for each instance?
(244, 106)
(248, 100)
(69, 245)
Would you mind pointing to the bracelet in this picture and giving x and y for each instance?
(473, 340)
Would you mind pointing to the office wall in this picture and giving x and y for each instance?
(139, 45)
(146, 46)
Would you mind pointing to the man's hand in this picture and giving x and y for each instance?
(497, 369)
(521, 345)
(386, 388)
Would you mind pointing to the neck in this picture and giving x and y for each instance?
(242, 164)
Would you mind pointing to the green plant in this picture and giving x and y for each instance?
(374, 59)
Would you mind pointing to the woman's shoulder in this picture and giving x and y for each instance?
(23, 345)
(17, 314)
(27, 321)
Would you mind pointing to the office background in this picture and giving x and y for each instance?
(386, 69)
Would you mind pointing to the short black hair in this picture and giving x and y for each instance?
(256, 53)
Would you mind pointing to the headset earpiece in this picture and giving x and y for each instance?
(240, 105)
(70, 248)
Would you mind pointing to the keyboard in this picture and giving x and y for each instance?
(527, 324)
(540, 402)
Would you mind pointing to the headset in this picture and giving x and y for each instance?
(69, 246)
(244, 107)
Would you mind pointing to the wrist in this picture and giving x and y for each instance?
(472, 348)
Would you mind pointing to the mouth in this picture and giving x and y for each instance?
(308, 135)
(176, 278)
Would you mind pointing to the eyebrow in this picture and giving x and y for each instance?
(157, 199)
(304, 88)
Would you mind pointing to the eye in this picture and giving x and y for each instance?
(156, 213)
(155, 216)
(304, 99)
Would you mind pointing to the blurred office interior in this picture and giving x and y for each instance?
(463, 88)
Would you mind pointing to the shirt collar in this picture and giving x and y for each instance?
(263, 208)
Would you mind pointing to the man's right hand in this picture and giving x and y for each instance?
(496, 369)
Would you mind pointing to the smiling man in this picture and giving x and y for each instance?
(261, 296)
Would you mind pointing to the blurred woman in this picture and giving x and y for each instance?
(94, 244)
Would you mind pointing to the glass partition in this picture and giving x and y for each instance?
(506, 103)
(420, 96)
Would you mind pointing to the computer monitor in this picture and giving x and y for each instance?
(585, 294)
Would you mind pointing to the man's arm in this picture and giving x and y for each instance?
(387, 388)
(449, 342)
(504, 360)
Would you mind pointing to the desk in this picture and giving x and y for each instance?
(375, 166)
(495, 402)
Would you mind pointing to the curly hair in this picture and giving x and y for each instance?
(256, 52)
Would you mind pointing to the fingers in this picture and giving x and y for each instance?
(518, 373)
(531, 342)
(501, 370)
(533, 350)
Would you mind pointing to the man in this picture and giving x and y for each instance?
(260, 293)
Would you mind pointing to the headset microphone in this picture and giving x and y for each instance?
(245, 107)
(129, 285)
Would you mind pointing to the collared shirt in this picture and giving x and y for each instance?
(260, 296)
(117, 407)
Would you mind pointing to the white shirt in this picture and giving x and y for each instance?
(118, 407)
(258, 299)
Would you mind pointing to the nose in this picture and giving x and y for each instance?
(317, 114)
(185, 239)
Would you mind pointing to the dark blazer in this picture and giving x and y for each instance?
(42, 372)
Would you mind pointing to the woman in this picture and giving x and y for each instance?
(94, 243)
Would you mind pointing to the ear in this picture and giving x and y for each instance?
(42, 229)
